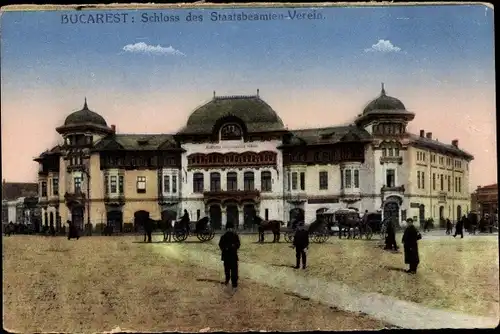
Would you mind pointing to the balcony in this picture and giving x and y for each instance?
(391, 160)
(114, 199)
(350, 194)
(296, 196)
(239, 196)
(53, 199)
(75, 168)
(75, 198)
(168, 199)
(394, 189)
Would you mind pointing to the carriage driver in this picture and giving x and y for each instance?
(229, 244)
(301, 242)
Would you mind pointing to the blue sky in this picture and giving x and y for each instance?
(439, 60)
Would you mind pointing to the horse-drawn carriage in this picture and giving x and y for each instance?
(202, 229)
(318, 231)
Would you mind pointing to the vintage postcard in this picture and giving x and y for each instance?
(253, 167)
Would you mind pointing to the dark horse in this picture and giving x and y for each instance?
(268, 225)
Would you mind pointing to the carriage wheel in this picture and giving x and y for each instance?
(289, 236)
(206, 235)
(322, 238)
(180, 236)
(368, 233)
(326, 237)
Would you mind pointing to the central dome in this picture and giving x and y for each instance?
(384, 103)
(254, 112)
(85, 116)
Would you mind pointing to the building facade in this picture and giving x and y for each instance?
(235, 159)
(485, 200)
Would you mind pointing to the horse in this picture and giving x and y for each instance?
(9, 229)
(348, 221)
(268, 225)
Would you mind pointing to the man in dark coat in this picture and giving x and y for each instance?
(410, 244)
(148, 229)
(185, 220)
(459, 228)
(449, 226)
(73, 231)
(52, 229)
(229, 244)
(390, 240)
(301, 242)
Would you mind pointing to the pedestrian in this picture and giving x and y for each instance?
(410, 245)
(390, 240)
(52, 229)
(459, 228)
(301, 243)
(72, 231)
(185, 221)
(449, 227)
(229, 244)
(426, 225)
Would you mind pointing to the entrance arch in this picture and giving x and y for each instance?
(140, 217)
(215, 213)
(421, 214)
(391, 208)
(115, 220)
(249, 214)
(297, 215)
(232, 215)
(459, 212)
(441, 216)
(77, 217)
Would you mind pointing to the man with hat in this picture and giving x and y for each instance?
(301, 242)
(229, 244)
(410, 242)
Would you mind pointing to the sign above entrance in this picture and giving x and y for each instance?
(229, 146)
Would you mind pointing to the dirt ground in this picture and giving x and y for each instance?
(99, 283)
(454, 274)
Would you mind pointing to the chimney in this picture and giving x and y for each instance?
(113, 127)
(428, 135)
(422, 133)
(454, 142)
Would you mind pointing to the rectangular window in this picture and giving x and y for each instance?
(323, 180)
(459, 184)
(120, 184)
(289, 181)
(266, 214)
(55, 186)
(418, 179)
(356, 178)
(391, 152)
(423, 156)
(294, 181)
(174, 184)
(348, 178)
(391, 178)
(232, 181)
(423, 180)
(214, 182)
(433, 181)
(198, 214)
(78, 184)
(442, 183)
(106, 184)
(396, 152)
(141, 184)
(302, 181)
(449, 183)
(113, 185)
(166, 183)
(341, 179)
(384, 152)
(198, 181)
(44, 189)
(248, 181)
(265, 181)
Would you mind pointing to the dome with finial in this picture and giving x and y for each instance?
(384, 103)
(85, 116)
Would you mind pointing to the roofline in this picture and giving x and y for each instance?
(461, 153)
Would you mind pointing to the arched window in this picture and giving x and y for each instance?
(231, 132)
(198, 181)
(232, 181)
(214, 181)
(248, 181)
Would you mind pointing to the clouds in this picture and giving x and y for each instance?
(144, 48)
(383, 46)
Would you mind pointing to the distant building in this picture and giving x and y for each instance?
(485, 200)
(13, 198)
(235, 159)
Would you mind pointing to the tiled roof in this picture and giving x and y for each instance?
(329, 135)
(14, 190)
(437, 145)
(136, 142)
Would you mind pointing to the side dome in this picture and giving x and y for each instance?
(85, 116)
(253, 111)
(384, 102)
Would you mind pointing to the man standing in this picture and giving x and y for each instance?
(390, 240)
(410, 244)
(185, 221)
(73, 231)
(449, 227)
(459, 228)
(301, 242)
(229, 244)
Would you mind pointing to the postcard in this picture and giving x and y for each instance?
(252, 167)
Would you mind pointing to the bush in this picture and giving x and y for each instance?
(128, 227)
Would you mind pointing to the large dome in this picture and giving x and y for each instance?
(384, 103)
(85, 116)
(254, 112)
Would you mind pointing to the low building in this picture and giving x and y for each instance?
(485, 200)
(235, 159)
(13, 198)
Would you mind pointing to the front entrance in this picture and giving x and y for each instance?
(441, 216)
(232, 215)
(115, 220)
(421, 214)
(297, 215)
(249, 214)
(77, 217)
(140, 217)
(391, 211)
(215, 213)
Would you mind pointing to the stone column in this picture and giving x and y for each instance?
(241, 217)
(223, 217)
